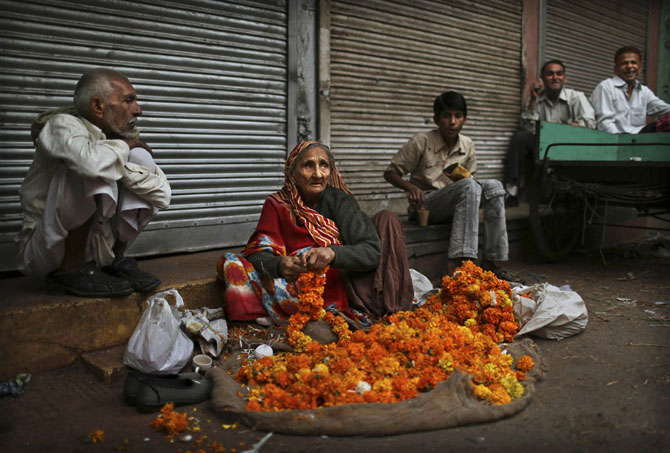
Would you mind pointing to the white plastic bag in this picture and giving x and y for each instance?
(158, 345)
(550, 312)
(422, 287)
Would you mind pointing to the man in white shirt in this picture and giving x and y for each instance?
(549, 100)
(622, 103)
(91, 188)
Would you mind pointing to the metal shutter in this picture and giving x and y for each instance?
(585, 34)
(210, 76)
(388, 62)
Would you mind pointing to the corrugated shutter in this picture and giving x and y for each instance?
(390, 59)
(585, 34)
(212, 81)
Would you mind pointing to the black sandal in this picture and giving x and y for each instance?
(501, 273)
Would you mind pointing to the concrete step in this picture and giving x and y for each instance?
(42, 331)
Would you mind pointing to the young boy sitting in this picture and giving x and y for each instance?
(448, 190)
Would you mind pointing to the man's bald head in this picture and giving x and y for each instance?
(95, 82)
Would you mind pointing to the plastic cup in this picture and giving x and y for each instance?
(422, 216)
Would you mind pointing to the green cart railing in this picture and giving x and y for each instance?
(577, 169)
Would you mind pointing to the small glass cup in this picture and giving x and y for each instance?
(422, 216)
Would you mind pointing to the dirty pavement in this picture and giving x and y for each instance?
(607, 389)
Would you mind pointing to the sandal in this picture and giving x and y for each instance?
(127, 269)
(136, 379)
(499, 272)
(186, 389)
(89, 281)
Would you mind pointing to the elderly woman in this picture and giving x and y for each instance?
(311, 223)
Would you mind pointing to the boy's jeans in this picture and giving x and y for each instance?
(460, 202)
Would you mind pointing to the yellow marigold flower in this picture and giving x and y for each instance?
(467, 333)
(302, 342)
(383, 385)
(512, 386)
(506, 359)
(321, 368)
(491, 367)
(470, 322)
(96, 436)
(506, 300)
(303, 374)
(446, 365)
(482, 392)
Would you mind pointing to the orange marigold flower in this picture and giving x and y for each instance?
(170, 421)
(525, 363)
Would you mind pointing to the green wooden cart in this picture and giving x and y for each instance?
(578, 169)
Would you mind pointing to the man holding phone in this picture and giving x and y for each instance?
(548, 100)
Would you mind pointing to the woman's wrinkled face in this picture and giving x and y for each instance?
(310, 174)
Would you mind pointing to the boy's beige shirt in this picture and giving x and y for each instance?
(425, 156)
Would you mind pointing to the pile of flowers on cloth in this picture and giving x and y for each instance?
(400, 355)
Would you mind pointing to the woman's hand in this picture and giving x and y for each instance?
(317, 258)
(290, 267)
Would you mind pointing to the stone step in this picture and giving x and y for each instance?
(41, 331)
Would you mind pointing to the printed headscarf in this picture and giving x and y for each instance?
(323, 230)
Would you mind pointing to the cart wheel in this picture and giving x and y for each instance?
(555, 214)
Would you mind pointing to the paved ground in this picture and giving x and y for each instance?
(607, 389)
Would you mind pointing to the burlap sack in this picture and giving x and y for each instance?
(451, 403)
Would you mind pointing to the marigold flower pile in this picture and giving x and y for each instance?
(479, 300)
(400, 356)
(170, 421)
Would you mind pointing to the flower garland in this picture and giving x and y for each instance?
(402, 355)
(310, 295)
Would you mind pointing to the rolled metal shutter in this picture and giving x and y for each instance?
(585, 34)
(388, 62)
(211, 78)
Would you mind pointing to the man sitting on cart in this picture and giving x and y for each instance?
(548, 100)
(622, 103)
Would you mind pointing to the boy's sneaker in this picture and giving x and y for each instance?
(89, 281)
(127, 269)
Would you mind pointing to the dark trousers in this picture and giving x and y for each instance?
(519, 157)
